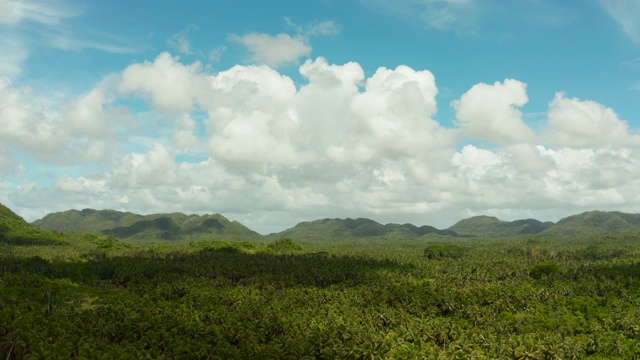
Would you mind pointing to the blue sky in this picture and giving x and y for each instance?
(422, 111)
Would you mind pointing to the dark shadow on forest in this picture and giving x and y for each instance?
(617, 271)
(225, 268)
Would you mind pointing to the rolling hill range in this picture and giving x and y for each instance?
(357, 228)
(488, 226)
(585, 223)
(134, 227)
(178, 226)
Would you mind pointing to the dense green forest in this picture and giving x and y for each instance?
(530, 296)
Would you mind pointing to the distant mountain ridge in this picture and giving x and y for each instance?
(130, 226)
(357, 228)
(478, 226)
(87, 220)
(178, 226)
(598, 221)
(488, 226)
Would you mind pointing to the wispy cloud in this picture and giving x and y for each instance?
(275, 50)
(627, 14)
(284, 49)
(445, 15)
(181, 41)
(13, 53)
(442, 15)
(13, 12)
(315, 28)
(325, 28)
(475, 18)
(70, 43)
(216, 54)
(28, 23)
(631, 64)
(15, 17)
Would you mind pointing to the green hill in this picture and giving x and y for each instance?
(581, 224)
(15, 230)
(489, 226)
(356, 228)
(87, 220)
(415, 231)
(134, 227)
(597, 221)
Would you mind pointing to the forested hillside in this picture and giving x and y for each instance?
(134, 227)
(598, 221)
(488, 226)
(15, 230)
(329, 229)
(180, 227)
(87, 220)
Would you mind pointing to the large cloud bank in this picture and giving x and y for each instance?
(251, 143)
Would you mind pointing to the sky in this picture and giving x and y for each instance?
(276, 112)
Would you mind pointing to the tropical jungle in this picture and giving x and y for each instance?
(104, 284)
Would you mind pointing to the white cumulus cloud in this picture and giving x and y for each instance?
(584, 124)
(87, 115)
(259, 147)
(170, 85)
(155, 168)
(490, 112)
(26, 125)
(184, 136)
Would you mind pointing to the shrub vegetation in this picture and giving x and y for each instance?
(94, 297)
